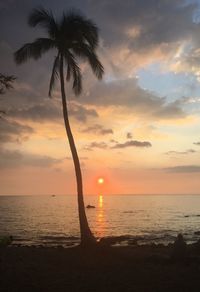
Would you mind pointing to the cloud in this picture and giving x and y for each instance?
(81, 158)
(52, 110)
(38, 113)
(81, 113)
(15, 158)
(132, 143)
(103, 145)
(188, 61)
(183, 169)
(163, 22)
(194, 100)
(129, 135)
(124, 93)
(170, 111)
(197, 143)
(189, 151)
(11, 131)
(98, 129)
(98, 145)
(128, 94)
(140, 32)
(113, 141)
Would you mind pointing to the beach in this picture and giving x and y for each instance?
(40, 252)
(130, 268)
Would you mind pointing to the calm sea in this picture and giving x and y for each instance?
(53, 220)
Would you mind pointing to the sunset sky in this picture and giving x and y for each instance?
(138, 128)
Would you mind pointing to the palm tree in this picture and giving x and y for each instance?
(73, 36)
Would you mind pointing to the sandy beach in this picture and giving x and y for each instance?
(137, 268)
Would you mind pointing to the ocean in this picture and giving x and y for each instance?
(53, 220)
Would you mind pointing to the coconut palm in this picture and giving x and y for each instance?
(73, 36)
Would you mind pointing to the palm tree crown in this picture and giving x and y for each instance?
(73, 36)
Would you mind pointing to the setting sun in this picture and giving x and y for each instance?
(100, 180)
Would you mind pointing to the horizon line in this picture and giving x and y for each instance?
(134, 194)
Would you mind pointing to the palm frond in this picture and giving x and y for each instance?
(74, 35)
(6, 82)
(55, 74)
(75, 70)
(33, 50)
(68, 76)
(76, 26)
(77, 83)
(45, 19)
(85, 51)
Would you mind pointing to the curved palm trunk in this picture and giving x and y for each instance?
(87, 237)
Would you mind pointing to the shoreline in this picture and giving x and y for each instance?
(119, 240)
(132, 268)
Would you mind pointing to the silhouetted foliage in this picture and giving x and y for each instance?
(6, 82)
(72, 36)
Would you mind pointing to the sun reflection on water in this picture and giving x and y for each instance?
(100, 219)
(100, 201)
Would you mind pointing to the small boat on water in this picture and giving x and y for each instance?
(90, 207)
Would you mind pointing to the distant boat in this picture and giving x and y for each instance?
(53, 195)
(90, 206)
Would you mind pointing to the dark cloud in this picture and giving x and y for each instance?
(98, 129)
(113, 141)
(170, 110)
(26, 104)
(162, 22)
(183, 169)
(103, 145)
(132, 143)
(40, 112)
(51, 110)
(80, 112)
(98, 145)
(11, 131)
(127, 93)
(15, 158)
(81, 158)
(189, 151)
(164, 19)
(197, 143)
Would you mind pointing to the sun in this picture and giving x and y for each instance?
(100, 180)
